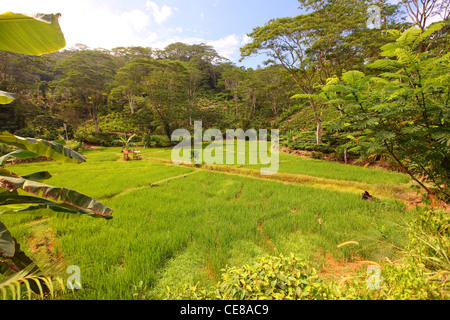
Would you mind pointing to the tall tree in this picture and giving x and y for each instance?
(277, 88)
(124, 54)
(403, 111)
(194, 87)
(128, 81)
(422, 11)
(87, 76)
(164, 87)
(203, 56)
(312, 47)
(231, 79)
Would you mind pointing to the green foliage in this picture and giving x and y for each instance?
(32, 35)
(402, 112)
(35, 34)
(428, 240)
(20, 285)
(271, 277)
(317, 155)
(422, 274)
(280, 278)
(74, 145)
(331, 142)
(126, 142)
(5, 149)
(40, 147)
(152, 141)
(226, 219)
(38, 35)
(97, 139)
(26, 132)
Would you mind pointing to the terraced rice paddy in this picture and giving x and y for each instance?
(176, 225)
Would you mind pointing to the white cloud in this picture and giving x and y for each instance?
(137, 19)
(96, 24)
(92, 22)
(159, 14)
(245, 39)
(227, 47)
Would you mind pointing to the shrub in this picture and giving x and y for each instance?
(317, 155)
(155, 141)
(271, 277)
(74, 145)
(99, 139)
(26, 132)
(422, 273)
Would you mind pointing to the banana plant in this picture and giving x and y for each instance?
(126, 142)
(34, 34)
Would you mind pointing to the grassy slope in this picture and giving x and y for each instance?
(171, 231)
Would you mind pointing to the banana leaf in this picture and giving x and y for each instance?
(6, 97)
(41, 147)
(21, 154)
(72, 201)
(38, 176)
(6, 242)
(34, 34)
(10, 203)
(30, 34)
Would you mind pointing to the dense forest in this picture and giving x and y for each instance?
(319, 66)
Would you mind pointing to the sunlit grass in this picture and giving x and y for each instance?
(174, 224)
(299, 165)
(215, 216)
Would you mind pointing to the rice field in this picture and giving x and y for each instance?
(175, 225)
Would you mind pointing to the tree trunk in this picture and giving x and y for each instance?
(65, 130)
(319, 131)
(131, 103)
(318, 121)
(94, 118)
(319, 127)
(345, 155)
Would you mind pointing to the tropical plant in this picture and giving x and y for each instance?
(126, 142)
(40, 32)
(34, 35)
(403, 111)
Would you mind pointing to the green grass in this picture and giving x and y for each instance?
(174, 225)
(293, 164)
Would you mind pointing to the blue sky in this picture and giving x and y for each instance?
(157, 23)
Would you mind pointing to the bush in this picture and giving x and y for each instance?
(74, 145)
(98, 139)
(270, 278)
(332, 143)
(26, 132)
(155, 141)
(317, 155)
(421, 274)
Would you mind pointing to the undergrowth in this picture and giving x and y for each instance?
(421, 274)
